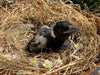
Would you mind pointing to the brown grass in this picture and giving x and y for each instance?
(15, 34)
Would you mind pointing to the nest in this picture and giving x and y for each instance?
(15, 34)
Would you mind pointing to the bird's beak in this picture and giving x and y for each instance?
(71, 30)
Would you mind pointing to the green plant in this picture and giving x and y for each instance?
(92, 4)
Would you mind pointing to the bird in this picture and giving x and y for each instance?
(60, 33)
(53, 38)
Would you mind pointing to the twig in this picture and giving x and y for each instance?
(70, 64)
(8, 43)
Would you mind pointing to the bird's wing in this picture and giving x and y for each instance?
(65, 45)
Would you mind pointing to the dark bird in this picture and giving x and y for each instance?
(60, 33)
(54, 38)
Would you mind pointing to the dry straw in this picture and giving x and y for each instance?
(15, 34)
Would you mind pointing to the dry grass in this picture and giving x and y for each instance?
(15, 34)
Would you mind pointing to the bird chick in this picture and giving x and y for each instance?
(60, 33)
(53, 38)
(39, 41)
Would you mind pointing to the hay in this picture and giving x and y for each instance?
(15, 34)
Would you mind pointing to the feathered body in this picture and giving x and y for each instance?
(54, 38)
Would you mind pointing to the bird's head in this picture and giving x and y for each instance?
(63, 29)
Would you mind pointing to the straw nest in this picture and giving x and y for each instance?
(15, 34)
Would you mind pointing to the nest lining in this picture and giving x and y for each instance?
(15, 35)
